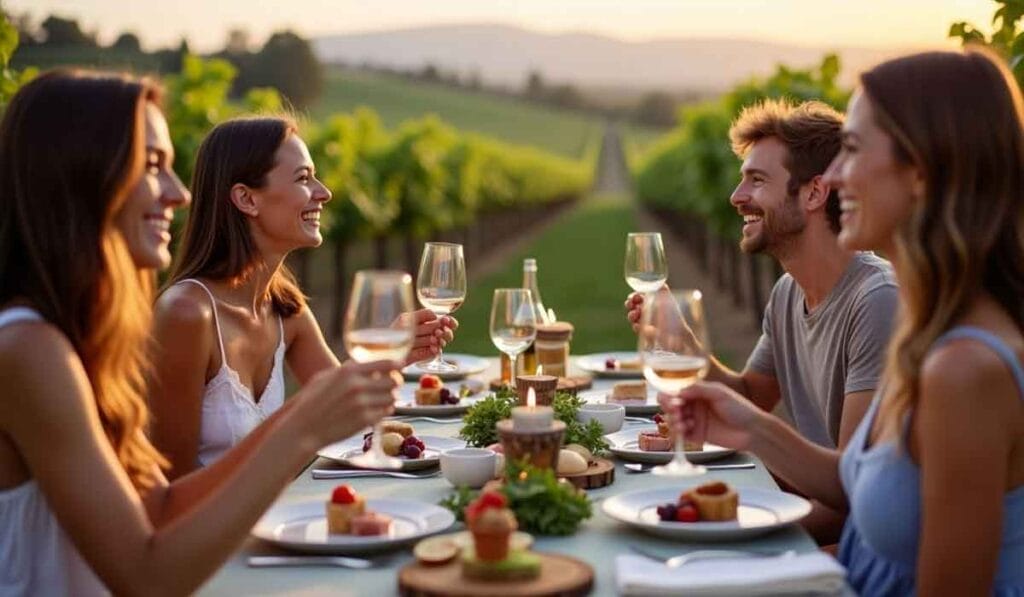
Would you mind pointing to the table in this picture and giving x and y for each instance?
(597, 542)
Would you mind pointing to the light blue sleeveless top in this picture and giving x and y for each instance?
(880, 541)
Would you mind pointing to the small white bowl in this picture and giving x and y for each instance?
(468, 466)
(610, 416)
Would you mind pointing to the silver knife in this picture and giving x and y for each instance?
(278, 561)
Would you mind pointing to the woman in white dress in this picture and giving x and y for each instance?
(86, 197)
(232, 315)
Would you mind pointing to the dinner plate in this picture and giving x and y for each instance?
(625, 445)
(601, 397)
(344, 451)
(302, 526)
(406, 404)
(466, 364)
(595, 364)
(760, 511)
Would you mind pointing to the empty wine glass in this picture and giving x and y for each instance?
(441, 287)
(513, 322)
(673, 348)
(645, 268)
(379, 326)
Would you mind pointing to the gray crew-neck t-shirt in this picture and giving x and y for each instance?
(819, 357)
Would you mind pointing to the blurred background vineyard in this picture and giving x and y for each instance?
(546, 167)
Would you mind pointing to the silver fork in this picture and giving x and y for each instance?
(427, 419)
(327, 473)
(278, 561)
(712, 554)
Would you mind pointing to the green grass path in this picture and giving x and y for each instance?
(579, 260)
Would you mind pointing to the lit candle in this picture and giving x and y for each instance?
(532, 417)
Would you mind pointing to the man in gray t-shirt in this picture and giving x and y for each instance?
(834, 350)
(828, 320)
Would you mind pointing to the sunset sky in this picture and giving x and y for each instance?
(815, 23)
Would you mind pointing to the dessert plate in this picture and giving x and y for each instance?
(595, 364)
(601, 397)
(760, 511)
(406, 404)
(302, 526)
(625, 445)
(345, 450)
(466, 365)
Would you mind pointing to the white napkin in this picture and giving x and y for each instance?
(814, 572)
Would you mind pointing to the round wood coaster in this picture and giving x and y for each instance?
(601, 473)
(565, 384)
(559, 575)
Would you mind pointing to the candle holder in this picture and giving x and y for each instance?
(539, 447)
(543, 385)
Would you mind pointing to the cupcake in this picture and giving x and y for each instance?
(344, 505)
(491, 523)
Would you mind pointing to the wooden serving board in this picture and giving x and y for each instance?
(559, 575)
(601, 473)
(565, 384)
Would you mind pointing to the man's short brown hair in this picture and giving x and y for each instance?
(809, 131)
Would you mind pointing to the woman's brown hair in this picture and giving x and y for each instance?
(957, 117)
(72, 147)
(218, 243)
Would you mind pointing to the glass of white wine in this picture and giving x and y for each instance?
(513, 322)
(645, 268)
(441, 287)
(379, 326)
(673, 348)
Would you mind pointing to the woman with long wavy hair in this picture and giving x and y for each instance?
(932, 173)
(86, 198)
(232, 316)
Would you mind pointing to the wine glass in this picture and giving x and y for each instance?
(441, 287)
(379, 326)
(646, 269)
(513, 322)
(673, 349)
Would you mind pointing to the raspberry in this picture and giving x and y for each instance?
(410, 441)
(343, 494)
(667, 512)
(430, 381)
(687, 513)
(611, 364)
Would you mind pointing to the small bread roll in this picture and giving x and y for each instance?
(570, 463)
(403, 429)
(585, 453)
(392, 443)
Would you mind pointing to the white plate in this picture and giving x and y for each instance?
(406, 404)
(302, 526)
(760, 511)
(344, 451)
(594, 363)
(624, 444)
(466, 364)
(601, 397)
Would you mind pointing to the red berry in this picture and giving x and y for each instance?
(492, 499)
(611, 364)
(658, 418)
(412, 451)
(687, 513)
(430, 381)
(343, 494)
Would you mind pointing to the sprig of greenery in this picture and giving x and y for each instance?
(542, 503)
(478, 425)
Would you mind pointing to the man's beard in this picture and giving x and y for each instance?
(778, 230)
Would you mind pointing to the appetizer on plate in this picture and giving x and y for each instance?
(431, 392)
(661, 440)
(397, 439)
(347, 515)
(711, 502)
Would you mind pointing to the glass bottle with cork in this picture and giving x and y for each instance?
(528, 361)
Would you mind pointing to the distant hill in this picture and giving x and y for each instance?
(505, 54)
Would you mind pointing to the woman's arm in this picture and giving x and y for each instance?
(728, 419)
(50, 413)
(183, 338)
(963, 440)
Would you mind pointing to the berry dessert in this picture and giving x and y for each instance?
(397, 439)
(344, 505)
(711, 502)
(371, 523)
(662, 440)
(491, 523)
(612, 364)
(629, 393)
(432, 393)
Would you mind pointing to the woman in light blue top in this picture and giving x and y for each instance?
(932, 174)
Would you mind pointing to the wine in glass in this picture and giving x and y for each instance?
(379, 326)
(441, 288)
(645, 268)
(513, 323)
(673, 348)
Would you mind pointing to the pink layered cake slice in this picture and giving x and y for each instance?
(371, 523)
(654, 442)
